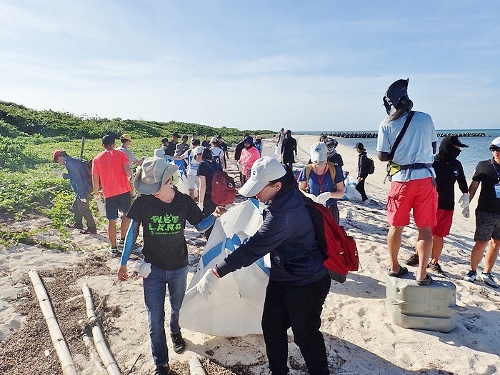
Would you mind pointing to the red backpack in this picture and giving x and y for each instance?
(340, 249)
(223, 189)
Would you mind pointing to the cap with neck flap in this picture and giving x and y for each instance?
(396, 96)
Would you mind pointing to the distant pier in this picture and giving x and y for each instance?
(344, 134)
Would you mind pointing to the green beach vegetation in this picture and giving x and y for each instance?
(28, 137)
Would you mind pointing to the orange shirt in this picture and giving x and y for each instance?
(109, 166)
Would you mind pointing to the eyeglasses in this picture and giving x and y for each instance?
(494, 148)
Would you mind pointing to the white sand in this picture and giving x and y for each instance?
(359, 335)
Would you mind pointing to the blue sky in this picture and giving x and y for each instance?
(301, 65)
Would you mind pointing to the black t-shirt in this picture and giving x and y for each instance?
(170, 149)
(207, 169)
(447, 172)
(486, 174)
(336, 159)
(163, 228)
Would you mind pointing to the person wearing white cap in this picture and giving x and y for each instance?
(162, 211)
(323, 179)
(217, 153)
(193, 158)
(298, 281)
(126, 140)
(487, 232)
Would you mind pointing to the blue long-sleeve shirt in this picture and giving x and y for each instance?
(78, 176)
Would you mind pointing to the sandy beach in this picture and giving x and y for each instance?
(359, 335)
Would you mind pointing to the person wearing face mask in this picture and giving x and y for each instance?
(333, 155)
(412, 176)
(248, 156)
(162, 211)
(448, 171)
(323, 179)
(298, 281)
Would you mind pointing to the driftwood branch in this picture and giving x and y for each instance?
(62, 350)
(100, 343)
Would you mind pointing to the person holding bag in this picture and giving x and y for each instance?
(298, 281)
(323, 179)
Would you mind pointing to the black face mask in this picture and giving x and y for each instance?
(396, 97)
(447, 151)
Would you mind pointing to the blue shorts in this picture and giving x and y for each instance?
(120, 202)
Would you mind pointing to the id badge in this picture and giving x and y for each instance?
(497, 190)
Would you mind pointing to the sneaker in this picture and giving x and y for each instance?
(121, 244)
(115, 252)
(74, 226)
(488, 279)
(88, 231)
(471, 276)
(162, 370)
(435, 267)
(413, 260)
(178, 342)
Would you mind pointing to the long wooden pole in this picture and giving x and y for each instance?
(62, 350)
(100, 343)
(195, 367)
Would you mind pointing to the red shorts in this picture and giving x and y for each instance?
(417, 195)
(444, 219)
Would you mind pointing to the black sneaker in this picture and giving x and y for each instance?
(413, 260)
(115, 252)
(178, 342)
(162, 370)
(435, 267)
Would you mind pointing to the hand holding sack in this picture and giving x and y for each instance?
(323, 197)
(206, 283)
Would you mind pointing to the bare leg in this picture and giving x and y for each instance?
(491, 255)
(112, 232)
(424, 248)
(124, 226)
(394, 238)
(477, 254)
(437, 248)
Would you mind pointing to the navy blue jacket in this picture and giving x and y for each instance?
(287, 233)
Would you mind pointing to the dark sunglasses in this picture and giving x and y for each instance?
(494, 148)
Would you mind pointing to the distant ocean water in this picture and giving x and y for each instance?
(469, 157)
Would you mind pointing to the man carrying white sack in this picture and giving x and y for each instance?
(162, 211)
(298, 281)
(487, 233)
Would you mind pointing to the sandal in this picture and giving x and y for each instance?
(425, 281)
(402, 271)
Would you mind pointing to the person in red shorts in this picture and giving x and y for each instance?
(412, 176)
(111, 171)
(448, 171)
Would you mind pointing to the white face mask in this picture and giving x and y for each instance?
(319, 162)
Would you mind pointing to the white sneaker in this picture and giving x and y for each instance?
(488, 279)
(471, 276)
